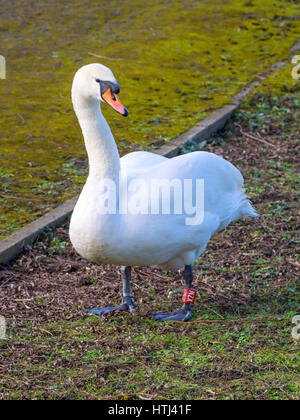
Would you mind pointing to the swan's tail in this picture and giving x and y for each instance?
(246, 210)
(244, 207)
(241, 208)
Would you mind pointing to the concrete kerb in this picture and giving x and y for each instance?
(13, 245)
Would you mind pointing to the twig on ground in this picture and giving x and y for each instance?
(109, 397)
(253, 137)
(106, 58)
(22, 118)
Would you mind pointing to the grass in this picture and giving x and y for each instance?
(230, 360)
(198, 55)
(239, 344)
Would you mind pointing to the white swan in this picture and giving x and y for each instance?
(104, 229)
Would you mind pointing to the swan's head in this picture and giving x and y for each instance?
(97, 82)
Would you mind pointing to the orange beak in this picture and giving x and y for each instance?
(113, 100)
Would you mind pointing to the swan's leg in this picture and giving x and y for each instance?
(127, 302)
(126, 293)
(185, 313)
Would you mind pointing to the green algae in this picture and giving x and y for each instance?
(175, 61)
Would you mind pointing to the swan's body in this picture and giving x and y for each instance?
(159, 239)
(145, 239)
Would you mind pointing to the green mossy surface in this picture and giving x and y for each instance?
(175, 61)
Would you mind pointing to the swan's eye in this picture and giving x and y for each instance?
(98, 80)
(116, 88)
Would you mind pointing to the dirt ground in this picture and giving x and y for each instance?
(238, 344)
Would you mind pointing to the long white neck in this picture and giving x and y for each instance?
(104, 159)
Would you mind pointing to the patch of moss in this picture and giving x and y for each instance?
(177, 61)
(279, 83)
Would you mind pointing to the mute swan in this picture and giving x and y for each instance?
(120, 218)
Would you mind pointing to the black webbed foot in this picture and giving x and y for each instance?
(181, 315)
(128, 305)
(185, 313)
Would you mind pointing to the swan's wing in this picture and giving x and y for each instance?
(224, 195)
(140, 160)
